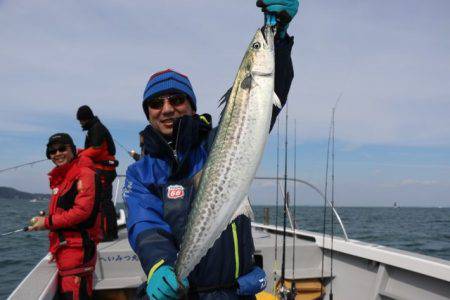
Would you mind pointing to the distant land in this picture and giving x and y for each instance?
(11, 193)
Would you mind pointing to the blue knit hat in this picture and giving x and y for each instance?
(168, 81)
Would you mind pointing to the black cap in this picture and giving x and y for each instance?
(60, 138)
(84, 113)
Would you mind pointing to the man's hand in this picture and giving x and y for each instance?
(37, 223)
(136, 156)
(284, 10)
(163, 284)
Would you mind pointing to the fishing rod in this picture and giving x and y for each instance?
(332, 199)
(24, 229)
(283, 290)
(294, 237)
(23, 165)
(331, 140)
(275, 267)
(325, 199)
(14, 231)
(287, 205)
(322, 195)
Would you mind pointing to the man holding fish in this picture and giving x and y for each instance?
(187, 219)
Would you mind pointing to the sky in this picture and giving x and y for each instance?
(390, 60)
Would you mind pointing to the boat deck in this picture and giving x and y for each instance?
(360, 270)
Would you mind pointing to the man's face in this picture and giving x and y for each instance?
(60, 154)
(163, 110)
(83, 123)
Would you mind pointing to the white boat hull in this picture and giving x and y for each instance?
(360, 270)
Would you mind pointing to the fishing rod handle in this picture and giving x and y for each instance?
(34, 220)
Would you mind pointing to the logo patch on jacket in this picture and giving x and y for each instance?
(175, 191)
(55, 191)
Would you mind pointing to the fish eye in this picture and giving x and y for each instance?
(256, 45)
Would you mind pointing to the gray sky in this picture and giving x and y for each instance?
(390, 59)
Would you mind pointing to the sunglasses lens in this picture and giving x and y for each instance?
(60, 149)
(156, 103)
(176, 100)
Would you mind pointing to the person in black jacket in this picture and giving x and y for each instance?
(159, 187)
(99, 146)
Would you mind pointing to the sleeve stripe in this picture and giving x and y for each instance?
(236, 249)
(153, 269)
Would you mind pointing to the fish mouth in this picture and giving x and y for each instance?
(268, 31)
(261, 73)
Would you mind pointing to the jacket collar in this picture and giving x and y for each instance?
(66, 172)
(58, 174)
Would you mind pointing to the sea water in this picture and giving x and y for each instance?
(421, 230)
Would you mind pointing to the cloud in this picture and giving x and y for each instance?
(409, 182)
(264, 184)
(9, 126)
(377, 172)
(389, 60)
(61, 55)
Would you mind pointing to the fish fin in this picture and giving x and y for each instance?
(246, 84)
(276, 100)
(245, 209)
(223, 102)
(224, 99)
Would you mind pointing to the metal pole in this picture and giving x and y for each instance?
(266, 216)
(117, 191)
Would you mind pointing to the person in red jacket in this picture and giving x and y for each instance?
(73, 219)
(99, 146)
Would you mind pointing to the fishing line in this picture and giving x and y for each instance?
(121, 146)
(23, 165)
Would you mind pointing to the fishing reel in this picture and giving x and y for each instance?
(285, 292)
(34, 219)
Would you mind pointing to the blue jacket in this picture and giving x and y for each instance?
(156, 224)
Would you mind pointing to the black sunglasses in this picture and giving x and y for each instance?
(61, 148)
(174, 100)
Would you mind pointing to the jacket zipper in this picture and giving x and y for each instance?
(176, 142)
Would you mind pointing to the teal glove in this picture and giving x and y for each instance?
(284, 10)
(163, 284)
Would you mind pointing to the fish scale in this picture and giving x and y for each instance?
(235, 154)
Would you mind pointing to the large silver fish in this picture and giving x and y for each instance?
(235, 154)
